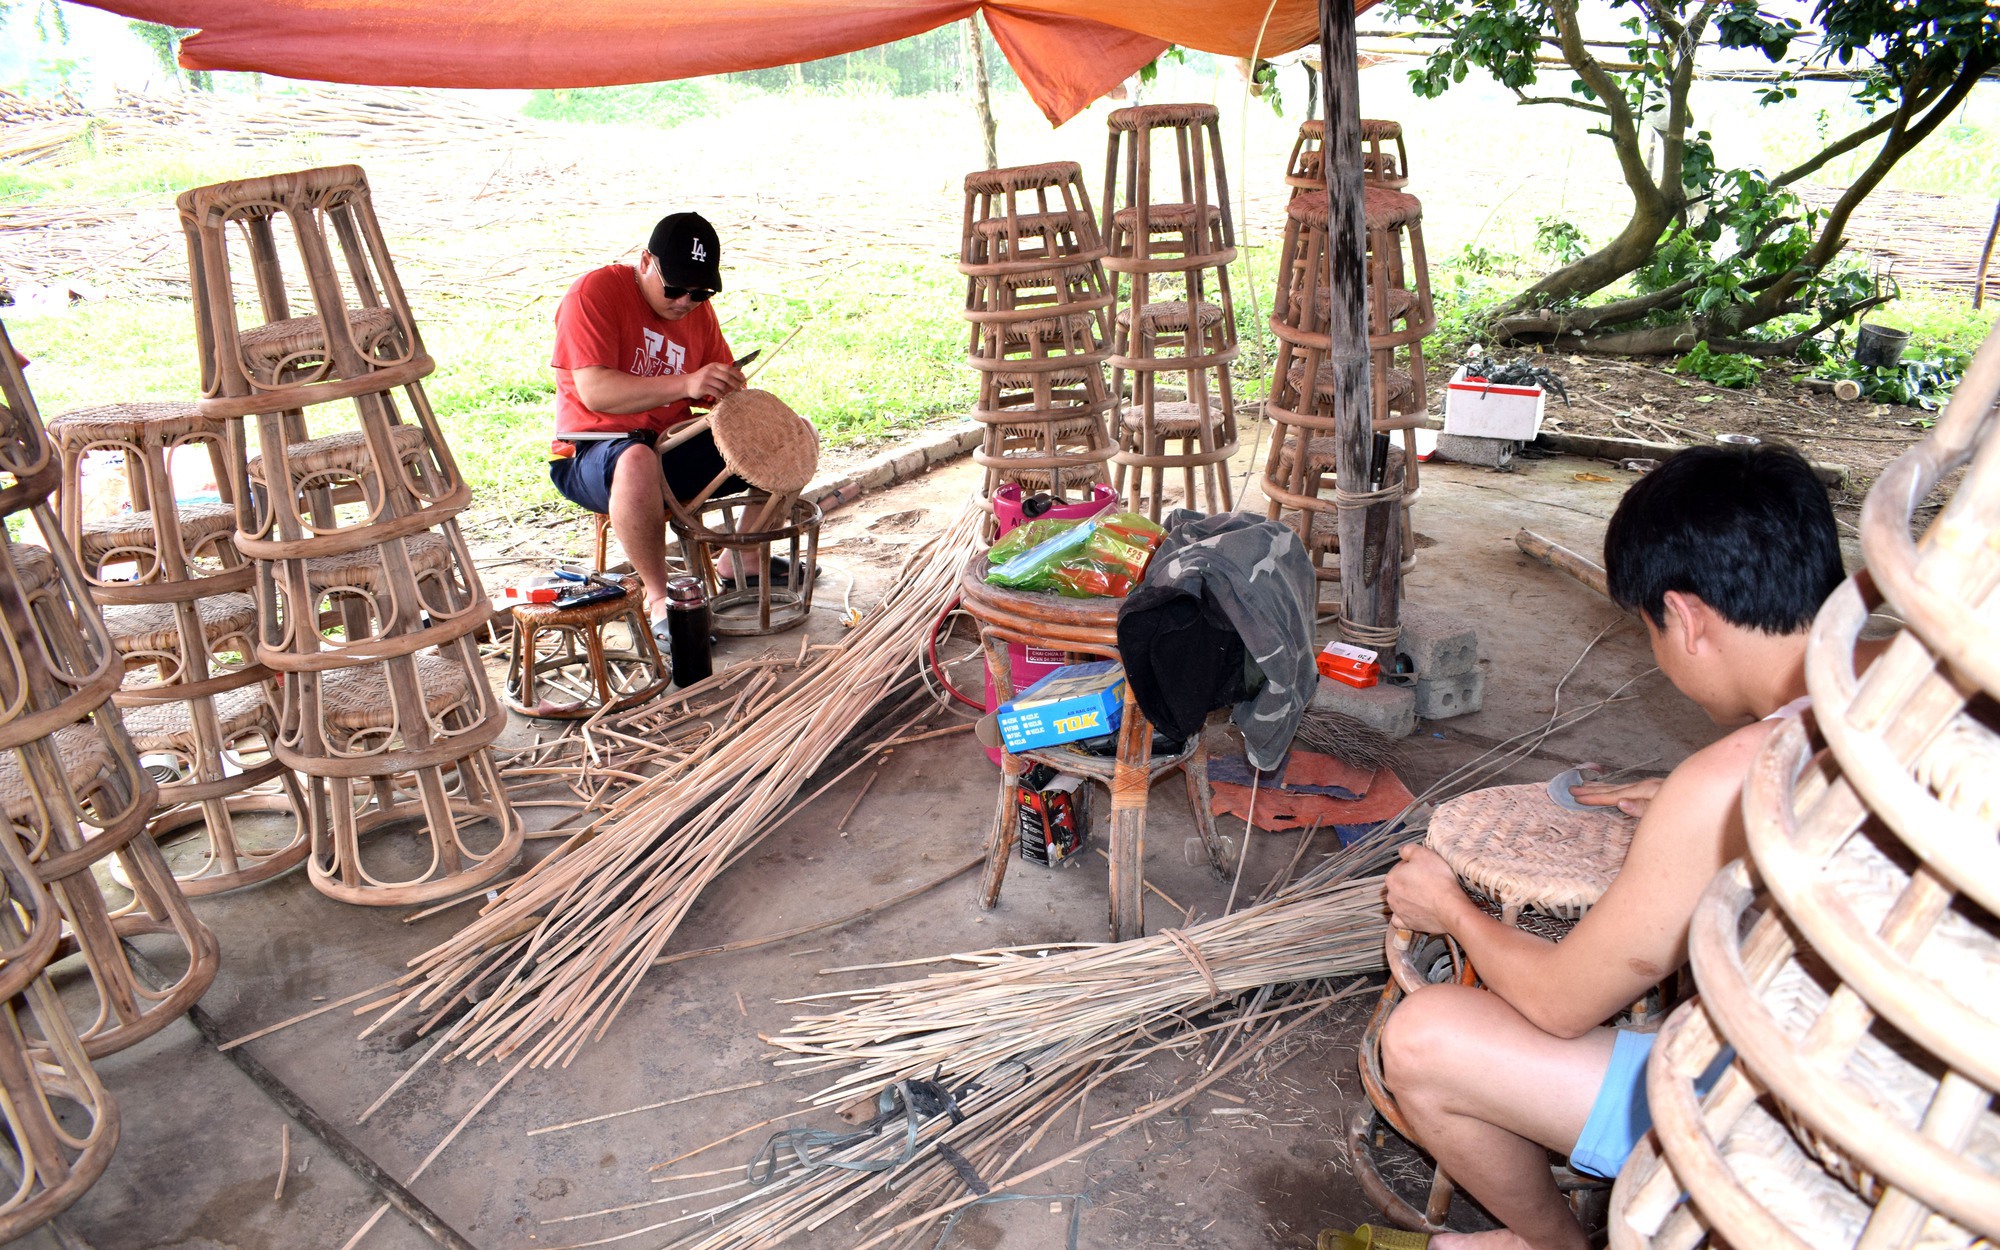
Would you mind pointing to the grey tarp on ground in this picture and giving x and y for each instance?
(1258, 573)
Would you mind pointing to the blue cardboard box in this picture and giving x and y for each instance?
(1075, 701)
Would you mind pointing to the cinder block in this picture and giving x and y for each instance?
(909, 464)
(1438, 644)
(1444, 697)
(878, 476)
(1391, 709)
(1493, 453)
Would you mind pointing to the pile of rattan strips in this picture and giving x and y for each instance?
(1038, 304)
(1849, 969)
(79, 876)
(1174, 325)
(1300, 470)
(346, 498)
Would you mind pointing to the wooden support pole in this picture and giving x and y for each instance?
(1560, 558)
(1366, 599)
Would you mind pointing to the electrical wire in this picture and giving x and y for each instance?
(934, 667)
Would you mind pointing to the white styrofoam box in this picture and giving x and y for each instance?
(1480, 409)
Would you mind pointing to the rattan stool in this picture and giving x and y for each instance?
(1381, 166)
(1027, 218)
(1530, 864)
(61, 1124)
(161, 550)
(1169, 259)
(776, 451)
(387, 760)
(560, 667)
(1858, 990)
(238, 235)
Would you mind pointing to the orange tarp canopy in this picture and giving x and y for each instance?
(1066, 52)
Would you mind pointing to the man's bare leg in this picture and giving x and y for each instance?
(639, 518)
(1488, 1095)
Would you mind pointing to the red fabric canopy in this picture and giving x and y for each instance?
(1066, 52)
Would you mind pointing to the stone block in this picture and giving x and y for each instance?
(1443, 697)
(1492, 453)
(909, 464)
(1391, 709)
(878, 476)
(1438, 644)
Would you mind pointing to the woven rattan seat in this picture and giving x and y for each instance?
(362, 570)
(345, 452)
(1053, 331)
(1393, 383)
(170, 726)
(1376, 128)
(1075, 477)
(1322, 454)
(1066, 376)
(1383, 209)
(1146, 116)
(200, 523)
(1397, 301)
(1066, 277)
(1022, 177)
(1178, 419)
(1027, 225)
(1064, 428)
(356, 700)
(85, 755)
(764, 442)
(270, 348)
(163, 420)
(1166, 218)
(1516, 851)
(1172, 315)
(33, 566)
(154, 626)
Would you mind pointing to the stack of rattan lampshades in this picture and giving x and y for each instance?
(79, 875)
(176, 600)
(1038, 303)
(346, 496)
(1174, 327)
(1852, 965)
(1300, 470)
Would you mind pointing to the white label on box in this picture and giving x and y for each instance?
(1360, 655)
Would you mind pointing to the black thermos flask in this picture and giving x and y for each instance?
(687, 630)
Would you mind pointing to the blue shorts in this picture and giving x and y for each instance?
(1620, 1116)
(585, 478)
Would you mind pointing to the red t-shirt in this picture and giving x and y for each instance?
(604, 320)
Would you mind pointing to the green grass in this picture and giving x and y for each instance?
(663, 104)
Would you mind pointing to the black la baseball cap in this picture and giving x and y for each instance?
(688, 251)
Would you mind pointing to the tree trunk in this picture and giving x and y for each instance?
(982, 97)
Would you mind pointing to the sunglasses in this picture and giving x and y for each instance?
(695, 293)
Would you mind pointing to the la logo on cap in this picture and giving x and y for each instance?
(700, 252)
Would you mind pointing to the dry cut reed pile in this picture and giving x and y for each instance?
(548, 965)
(1020, 1043)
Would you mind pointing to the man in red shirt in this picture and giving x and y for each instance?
(634, 345)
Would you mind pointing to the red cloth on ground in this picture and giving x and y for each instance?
(1279, 810)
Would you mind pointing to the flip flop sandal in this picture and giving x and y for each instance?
(1369, 1237)
(661, 637)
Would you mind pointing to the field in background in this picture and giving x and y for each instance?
(839, 211)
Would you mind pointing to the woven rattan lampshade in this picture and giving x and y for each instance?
(764, 442)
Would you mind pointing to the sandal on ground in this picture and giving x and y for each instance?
(1370, 1237)
(661, 637)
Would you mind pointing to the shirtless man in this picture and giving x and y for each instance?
(1726, 554)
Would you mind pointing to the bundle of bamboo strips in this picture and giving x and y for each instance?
(549, 964)
(962, 1023)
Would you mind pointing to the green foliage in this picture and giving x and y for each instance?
(1918, 382)
(933, 62)
(662, 104)
(165, 42)
(1151, 69)
(1264, 85)
(1559, 240)
(1722, 368)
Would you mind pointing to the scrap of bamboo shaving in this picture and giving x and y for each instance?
(557, 956)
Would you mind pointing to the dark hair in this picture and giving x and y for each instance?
(1747, 530)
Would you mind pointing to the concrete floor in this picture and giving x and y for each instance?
(198, 1157)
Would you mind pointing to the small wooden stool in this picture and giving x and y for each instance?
(1380, 166)
(776, 451)
(1527, 862)
(560, 667)
(1087, 627)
